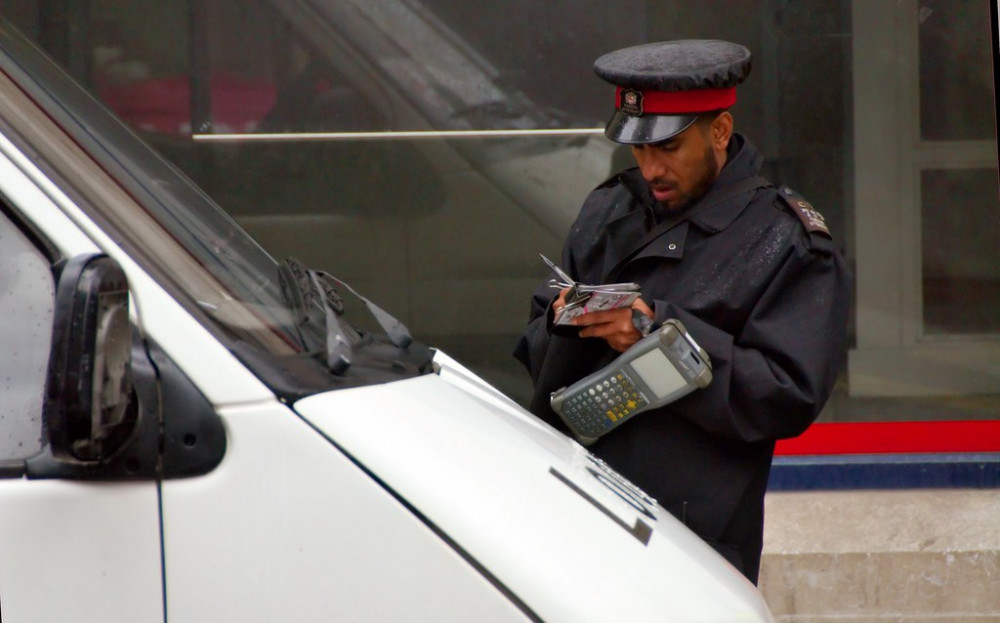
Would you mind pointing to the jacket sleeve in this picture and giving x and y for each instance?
(534, 341)
(556, 357)
(772, 380)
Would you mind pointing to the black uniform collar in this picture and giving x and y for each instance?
(743, 161)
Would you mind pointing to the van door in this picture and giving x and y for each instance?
(70, 550)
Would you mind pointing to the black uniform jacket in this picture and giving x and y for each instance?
(761, 288)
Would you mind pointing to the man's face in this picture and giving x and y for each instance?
(681, 169)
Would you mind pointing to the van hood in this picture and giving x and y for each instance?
(549, 523)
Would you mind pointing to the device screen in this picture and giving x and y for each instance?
(658, 373)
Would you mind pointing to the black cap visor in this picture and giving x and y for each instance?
(629, 130)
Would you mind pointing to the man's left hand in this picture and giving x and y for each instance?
(613, 325)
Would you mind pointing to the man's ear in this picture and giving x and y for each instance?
(721, 130)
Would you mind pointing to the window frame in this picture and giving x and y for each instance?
(893, 355)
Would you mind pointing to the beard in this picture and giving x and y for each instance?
(700, 187)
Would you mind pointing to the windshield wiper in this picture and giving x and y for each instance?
(308, 290)
(307, 295)
(397, 332)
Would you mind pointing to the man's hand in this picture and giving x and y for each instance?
(560, 302)
(614, 325)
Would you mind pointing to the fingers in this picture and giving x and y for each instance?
(614, 326)
(560, 302)
(641, 306)
(609, 316)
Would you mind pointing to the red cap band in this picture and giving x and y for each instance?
(680, 102)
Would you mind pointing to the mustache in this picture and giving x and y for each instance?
(660, 183)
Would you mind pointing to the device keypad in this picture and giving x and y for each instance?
(607, 402)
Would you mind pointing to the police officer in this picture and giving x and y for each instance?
(750, 270)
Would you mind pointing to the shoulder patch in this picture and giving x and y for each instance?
(811, 219)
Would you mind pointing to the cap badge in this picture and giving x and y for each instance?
(631, 103)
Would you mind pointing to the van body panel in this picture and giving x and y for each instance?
(461, 458)
(289, 529)
(79, 551)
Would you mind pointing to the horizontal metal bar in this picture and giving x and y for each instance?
(355, 136)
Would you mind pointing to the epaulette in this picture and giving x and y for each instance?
(811, 219)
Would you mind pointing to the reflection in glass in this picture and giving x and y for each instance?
(445, 232)
(961, 251)
(956, 77)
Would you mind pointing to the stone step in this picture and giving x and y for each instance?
(880, 556)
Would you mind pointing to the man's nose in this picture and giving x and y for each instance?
(650, 167)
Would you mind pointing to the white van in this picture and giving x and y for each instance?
(193, 431)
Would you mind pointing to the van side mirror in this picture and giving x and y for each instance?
(91, 410)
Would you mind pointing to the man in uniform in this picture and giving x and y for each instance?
(751, 271)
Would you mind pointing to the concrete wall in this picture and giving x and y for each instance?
(882, 556)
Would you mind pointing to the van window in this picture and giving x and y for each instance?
(27, 294)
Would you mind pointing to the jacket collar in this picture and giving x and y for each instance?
(710, 215)
(642, 203)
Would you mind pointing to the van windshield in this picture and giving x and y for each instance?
(279, 317)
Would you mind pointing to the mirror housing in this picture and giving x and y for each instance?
(91, 410)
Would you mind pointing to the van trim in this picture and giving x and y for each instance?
(641, 530)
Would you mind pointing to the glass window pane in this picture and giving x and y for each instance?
(137, 71)
(960, 219)
(358, 65)
(956, 71)
(445, 232)
(27, 295)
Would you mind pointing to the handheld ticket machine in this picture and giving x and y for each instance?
(656, 370)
